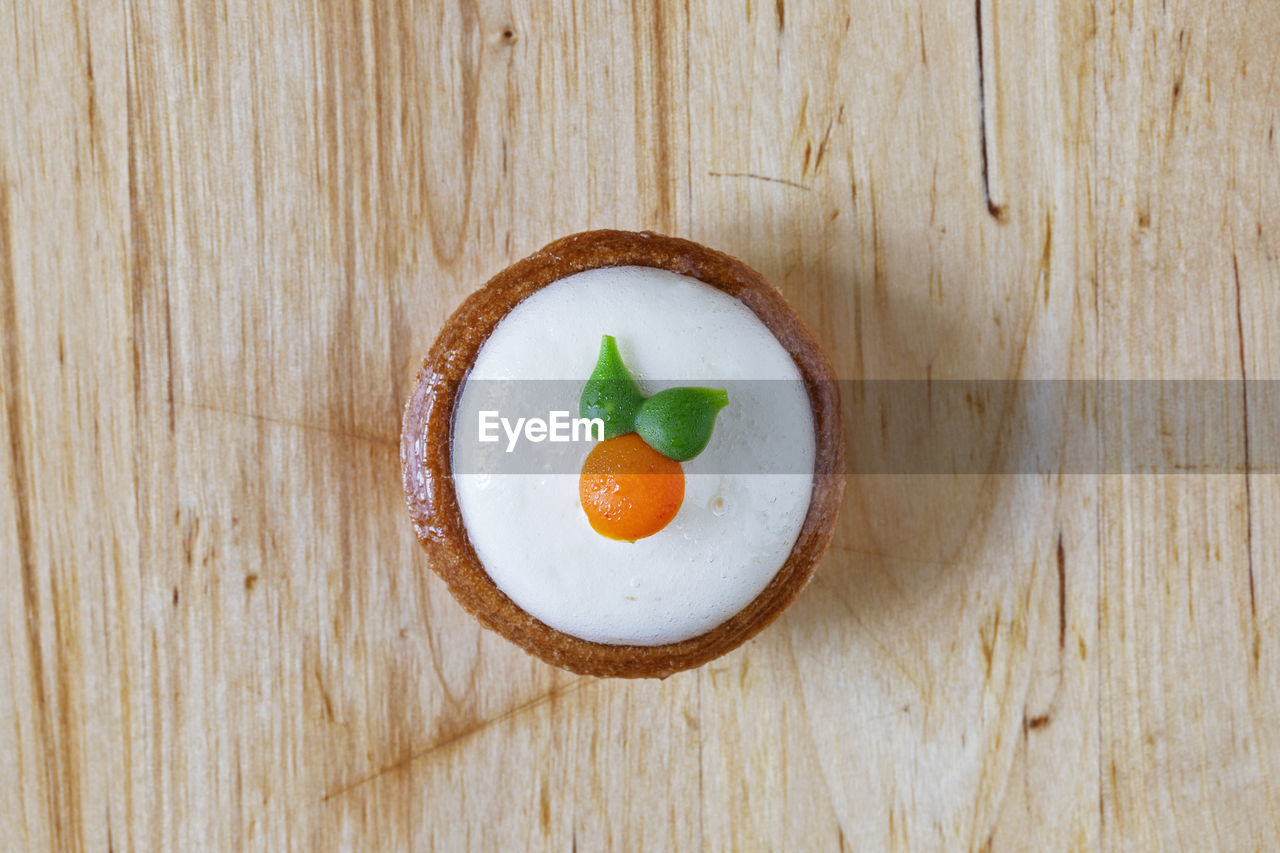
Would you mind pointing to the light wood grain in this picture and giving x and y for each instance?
(228, 233)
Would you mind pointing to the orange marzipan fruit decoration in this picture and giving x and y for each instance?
(628, 489)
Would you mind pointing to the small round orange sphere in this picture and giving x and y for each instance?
(628, 489)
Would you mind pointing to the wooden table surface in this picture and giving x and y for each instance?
(229, 232)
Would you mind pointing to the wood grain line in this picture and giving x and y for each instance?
(754, 176)
(465, 734)
(147, 263)
(702, 798)
(16, 418)
(1062, 595)
(826, 137)
(895, 558)
(392, 443)
(652, 109)
(1248, 493)
(996, 210)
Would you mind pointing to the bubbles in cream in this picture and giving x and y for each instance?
(734, 529)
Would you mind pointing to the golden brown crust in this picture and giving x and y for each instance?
(425, 455)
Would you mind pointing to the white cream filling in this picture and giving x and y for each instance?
(734, 529)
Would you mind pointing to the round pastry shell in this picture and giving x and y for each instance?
(428, 426)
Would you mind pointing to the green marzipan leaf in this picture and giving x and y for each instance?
(677, 422)
(611, 393)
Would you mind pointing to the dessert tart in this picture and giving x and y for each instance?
(696, 499)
